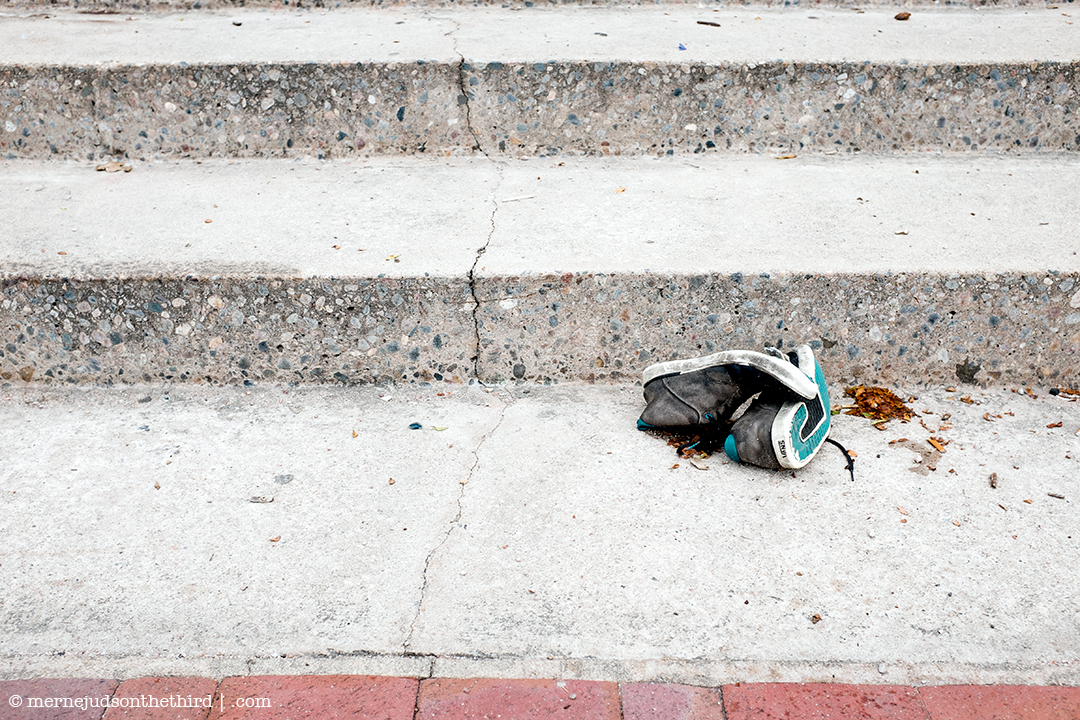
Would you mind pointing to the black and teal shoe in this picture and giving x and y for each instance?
(784, 427)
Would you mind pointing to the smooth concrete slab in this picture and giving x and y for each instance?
(593, 34)
(573, 548)
(406, 217)
(294, 218)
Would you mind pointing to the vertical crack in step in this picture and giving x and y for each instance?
(472, 275)
(466, 100)
(463, 88)
(446, 536)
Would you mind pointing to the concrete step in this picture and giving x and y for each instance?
(107, 7)
(528, 532)
(897, 269)
(556, 81)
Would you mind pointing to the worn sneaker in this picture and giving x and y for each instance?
(707, 390)
(784, 429)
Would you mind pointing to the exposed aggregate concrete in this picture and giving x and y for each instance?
(989, 330)
(534, 109)
(236, 330)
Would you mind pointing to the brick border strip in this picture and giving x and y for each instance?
(356, 697)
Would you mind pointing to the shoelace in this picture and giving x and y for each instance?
(850, 460)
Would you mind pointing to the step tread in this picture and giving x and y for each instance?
(542, 216)
(603, 34)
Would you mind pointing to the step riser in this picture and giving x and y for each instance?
(535, 109)
(906, 329)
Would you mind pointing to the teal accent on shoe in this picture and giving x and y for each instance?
(642, 425)
(729, 448)
(803, 449)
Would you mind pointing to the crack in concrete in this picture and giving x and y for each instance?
(472, 276)
(446, 536)
(463, 88)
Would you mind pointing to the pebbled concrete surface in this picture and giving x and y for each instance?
(573, 549)
(570, 81)
(586, 269)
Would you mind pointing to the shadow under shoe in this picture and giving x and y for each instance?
(702, 397)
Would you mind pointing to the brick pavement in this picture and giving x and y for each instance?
(350, 697)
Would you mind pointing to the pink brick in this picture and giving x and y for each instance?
(55, 692)
(822, 702)
(342, 697)
(138, 697)
(655, 701)
(448, 699)
(1002, 702)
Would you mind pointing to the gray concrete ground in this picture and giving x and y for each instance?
(528, 531)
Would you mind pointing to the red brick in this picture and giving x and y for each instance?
(654, 701)
(821, 702)
(449, 699)
(1001, 702)
(98, 691)
(347, 697)
(198, 692)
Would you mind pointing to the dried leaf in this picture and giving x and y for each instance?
(937, 445)
(993, 480)
(699, 464)
(440, 429)
(877, 403)
(392, 481)
(113, 166)
(902, 16)
(621, 190)
(1056, 495)
(1054, 425)
(157, 485)
(815, 619)
(786, 157)
(902, 510)
(967, 399)
(354, 433)
(673, 467)
(275, 539)
(956, 523)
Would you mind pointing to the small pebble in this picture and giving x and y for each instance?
(881, 668)
(870, 533)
